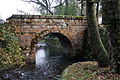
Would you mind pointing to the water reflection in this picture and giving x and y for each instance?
(40, 56)
(41, 44)
(45, 53)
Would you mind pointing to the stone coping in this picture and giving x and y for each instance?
(46, 17)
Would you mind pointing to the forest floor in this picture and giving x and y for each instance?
(88, 71)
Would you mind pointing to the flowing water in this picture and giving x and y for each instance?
(49, 65)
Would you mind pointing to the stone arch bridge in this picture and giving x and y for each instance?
(69, 30)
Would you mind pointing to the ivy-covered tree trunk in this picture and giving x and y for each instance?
(97, 46)
(111, 16)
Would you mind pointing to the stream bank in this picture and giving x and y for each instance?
(88, 71)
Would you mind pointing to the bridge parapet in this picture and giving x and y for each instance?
(37, 21)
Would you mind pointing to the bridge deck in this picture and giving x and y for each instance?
(47, 17)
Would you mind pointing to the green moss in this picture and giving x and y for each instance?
(79, 17)
(78, 71)
(84, 71)
(119, 41)
(64, 16)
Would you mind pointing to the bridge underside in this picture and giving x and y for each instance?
(64, 40)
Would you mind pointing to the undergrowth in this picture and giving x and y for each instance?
(9, 49)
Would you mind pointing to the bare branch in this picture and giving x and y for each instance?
(59, 4)
(45, 4)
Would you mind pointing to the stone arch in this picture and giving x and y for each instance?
(64, 37)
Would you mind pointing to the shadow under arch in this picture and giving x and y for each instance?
(66, 43)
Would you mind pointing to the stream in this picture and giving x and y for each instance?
(48, 66)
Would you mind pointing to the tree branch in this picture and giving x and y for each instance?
(41, 4)
(59, 4)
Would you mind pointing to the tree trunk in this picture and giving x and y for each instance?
(97, 10)
(82, 2)
(111, 16)
(97, 46)
(66, 8)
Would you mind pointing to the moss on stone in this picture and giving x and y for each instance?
(78, 71)
(87, 71)
(45, 17)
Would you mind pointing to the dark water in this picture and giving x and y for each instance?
(49, 65)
